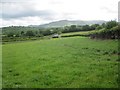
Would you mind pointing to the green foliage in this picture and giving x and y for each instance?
(30, 33)
(11, 34)
(20, 31)
(111, 24)
(86, 28)
(94, 26)
(113, 33)
(99, 27)
(103, 25)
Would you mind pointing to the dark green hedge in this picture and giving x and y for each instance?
(113, 33)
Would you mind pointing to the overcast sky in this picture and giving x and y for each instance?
(35, 12)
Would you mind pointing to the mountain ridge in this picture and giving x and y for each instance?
(62, 23)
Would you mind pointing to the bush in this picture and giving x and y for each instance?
(113, 33)
(111, 24)
(30, 33)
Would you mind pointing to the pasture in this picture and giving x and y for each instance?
(80, 33)
(77, 33)
(75, 62)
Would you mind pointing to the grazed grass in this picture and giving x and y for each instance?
(69, 62)
(78, 33)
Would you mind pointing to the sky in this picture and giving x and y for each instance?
(36, 12)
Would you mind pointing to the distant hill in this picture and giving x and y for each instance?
(62, 23)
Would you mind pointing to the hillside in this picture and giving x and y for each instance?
(62, 23)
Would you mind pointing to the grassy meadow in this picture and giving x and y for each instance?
(75, 62)
(77, 33)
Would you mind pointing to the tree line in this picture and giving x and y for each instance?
(109, 30)
(21, 31)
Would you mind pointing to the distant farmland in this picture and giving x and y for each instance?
(75, 62)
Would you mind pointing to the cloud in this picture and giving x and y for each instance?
(15, 0)
(108, 10)
(119, 11)
(24, 21)
(19, 10)
(25, 12)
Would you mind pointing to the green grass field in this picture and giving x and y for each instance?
(80, 33)
(75, 62)
(77, 33)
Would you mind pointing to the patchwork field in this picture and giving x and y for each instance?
(76, 62)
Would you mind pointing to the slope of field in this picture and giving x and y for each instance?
(76, 62)
(76, 33)
(80, 33)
